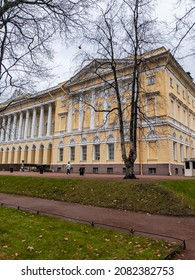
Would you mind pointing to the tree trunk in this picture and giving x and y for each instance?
(129, 173)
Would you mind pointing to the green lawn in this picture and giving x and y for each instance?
(168, 197)
(27, 236)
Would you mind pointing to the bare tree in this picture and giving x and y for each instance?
(121, 35)
(185, 27)
(27, 28)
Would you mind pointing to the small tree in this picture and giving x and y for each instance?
(121, 35)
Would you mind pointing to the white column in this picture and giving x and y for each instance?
(80, 115)
(26, 124)
(49, 119)
(33, 128)
(3, 129)
(106, 108)
(41, 122)
(8, 128)
(92, 111)
(20, 125)
(13, 133)
(70, 116)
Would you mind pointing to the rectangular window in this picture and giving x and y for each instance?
(61, 153)
(151, 80)
(109, 170)
(178, 113)
(111, 151)
(151, 108)
(97, 152)
(152, 150)
(176, 171)
(152, 170)
(72, 153)
(84, 153)
(193, 164)
(181, 152)
(63, 103)
(187, 165)
(174, 151)
(171, 82)
(177, 88)
(187, 152)
(172, 108)
(95, 170)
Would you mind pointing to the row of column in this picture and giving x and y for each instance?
(92, 116)
(18, 126)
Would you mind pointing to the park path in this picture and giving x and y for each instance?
(180, 227)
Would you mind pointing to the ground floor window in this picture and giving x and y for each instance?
(72, 153)
(97, 152)
(109, 170)
(187, 165)
(84, 153)
(111, 151)
(174, 151)
(95, 170)
(61, 152)
(152, 170)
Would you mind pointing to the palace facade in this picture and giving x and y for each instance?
(70, 122)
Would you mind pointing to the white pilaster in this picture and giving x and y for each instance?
(41, 122)
(106, 108)
(33, 128)
(13, 132)
(80, 115)
(70, 116)
(3, 130)
(26, 124)
(20, 125)
(8, 128)
(92, 111)
(49, 120)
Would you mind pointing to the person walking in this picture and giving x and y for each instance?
(68, 166)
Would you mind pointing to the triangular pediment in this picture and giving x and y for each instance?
(96, 68)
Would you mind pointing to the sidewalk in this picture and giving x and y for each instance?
(141, 178)
(180, 227)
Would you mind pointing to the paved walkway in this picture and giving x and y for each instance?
(141, 178)
(180, 227)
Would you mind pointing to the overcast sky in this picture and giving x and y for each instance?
(66, 67)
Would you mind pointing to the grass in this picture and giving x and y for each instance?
(167, 198)
(25, 236)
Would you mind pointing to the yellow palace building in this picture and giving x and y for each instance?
(60, 124)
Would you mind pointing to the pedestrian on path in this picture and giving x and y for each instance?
(68, 166)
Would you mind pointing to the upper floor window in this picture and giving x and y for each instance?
(61, 153)
(178, 89)
(72, 153)
(84, 153)
(97, 152)
(171, 82)
(111, 151)
(151, 80)
(63, 103)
